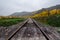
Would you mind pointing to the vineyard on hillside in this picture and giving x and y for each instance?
(50, 17)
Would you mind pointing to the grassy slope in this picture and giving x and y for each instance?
(12, 21)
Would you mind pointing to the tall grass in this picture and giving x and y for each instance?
(54, 20)
(10, 21)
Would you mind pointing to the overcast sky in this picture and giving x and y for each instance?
(8, 7)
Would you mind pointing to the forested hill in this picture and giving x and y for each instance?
(50, 8)
(21, 14)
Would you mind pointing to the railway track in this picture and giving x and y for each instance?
(30, 30)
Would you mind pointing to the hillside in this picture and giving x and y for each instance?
(21, 14)
(35, 12)
(50, 8)
(51, 17)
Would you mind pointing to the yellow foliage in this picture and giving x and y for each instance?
(58, 11)
(44, 13)
(52, 12)
(47, 13)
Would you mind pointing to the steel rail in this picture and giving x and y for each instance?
(45, 35)
(9, 38)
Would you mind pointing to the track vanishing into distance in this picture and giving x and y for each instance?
(30, 30)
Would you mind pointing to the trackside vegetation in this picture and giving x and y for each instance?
(10, 21)
(49, 17)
